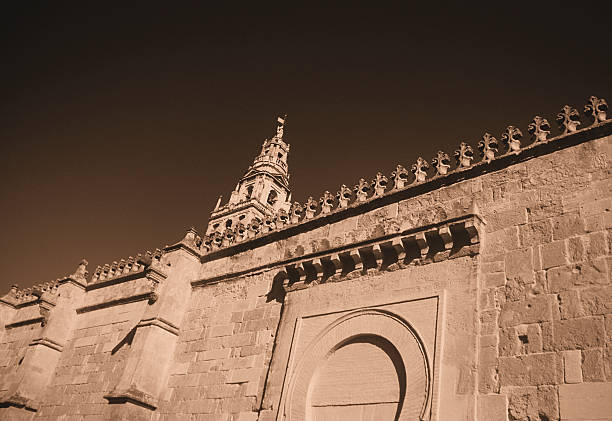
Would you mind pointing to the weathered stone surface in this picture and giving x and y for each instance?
(587, 332)
(586, 401)
(532, 310)
(528, 370)
(533, 403)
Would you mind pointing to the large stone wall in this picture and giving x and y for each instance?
(482, 294)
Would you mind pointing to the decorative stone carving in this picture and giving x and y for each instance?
(327, 202)
(241, 232)
(464, 155)
(254, 227)
(228, 236)
(311, 208)
(379, 184)
(441, 162)
(344, 196)
(568, 119)
(81, 271)
(539, 129)
(361, 190)
(487, 147)
(282, 218)
(269, 223)
(400, 177)
(511, 138)
(419, 169)
(295, 212)
(596, 108)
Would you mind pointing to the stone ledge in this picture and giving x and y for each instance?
(161, 323)
(134, 396)
(48, 343)
(19, 401)
(150, 296)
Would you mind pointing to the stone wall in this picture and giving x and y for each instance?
(481, 294)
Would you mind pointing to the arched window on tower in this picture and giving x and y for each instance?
(272, 197)
(249, 192)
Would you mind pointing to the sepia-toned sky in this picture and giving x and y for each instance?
(121, 125)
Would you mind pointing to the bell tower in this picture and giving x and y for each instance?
(262, 191)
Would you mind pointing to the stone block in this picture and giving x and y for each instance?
(587, 332)
(528, 370)
(493, 407)
(532, 310)
(221, 330)
(567, 225)
(598, 245)
(519, 265)
(596, 300)
(533, 403)
(535, 233)
(575, 249)
(569, 304)
(593, 365)
(505, 216)
(554, 254)
(572, 366)
(585, 401)
(567, 277)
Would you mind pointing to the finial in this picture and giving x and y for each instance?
(487, 147)
(327, 202)
(344, 196)
(379, 184)
(441, 162)
(218, 203)
(539, 128)
(596, 108)
(280, 128)
(419, 169)
(400, 177)
(311, 208)
(81, 271)
(511, 137)
(568, 119)
(464, 155)
(361, 190)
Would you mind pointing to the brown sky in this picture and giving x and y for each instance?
(120, 126)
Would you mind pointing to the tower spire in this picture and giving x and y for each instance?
(263, 190)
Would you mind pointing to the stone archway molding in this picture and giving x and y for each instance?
(415, 401)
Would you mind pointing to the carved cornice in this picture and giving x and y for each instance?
(446, 239)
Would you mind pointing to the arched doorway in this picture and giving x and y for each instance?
(366, 365)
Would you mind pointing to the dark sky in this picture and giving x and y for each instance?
(120, 125)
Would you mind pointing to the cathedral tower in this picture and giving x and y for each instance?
(263, 190)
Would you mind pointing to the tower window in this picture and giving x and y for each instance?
(280, 156)
(228, 223)
(272, 197)
(249, 192)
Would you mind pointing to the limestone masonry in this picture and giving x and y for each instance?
(475, 291)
